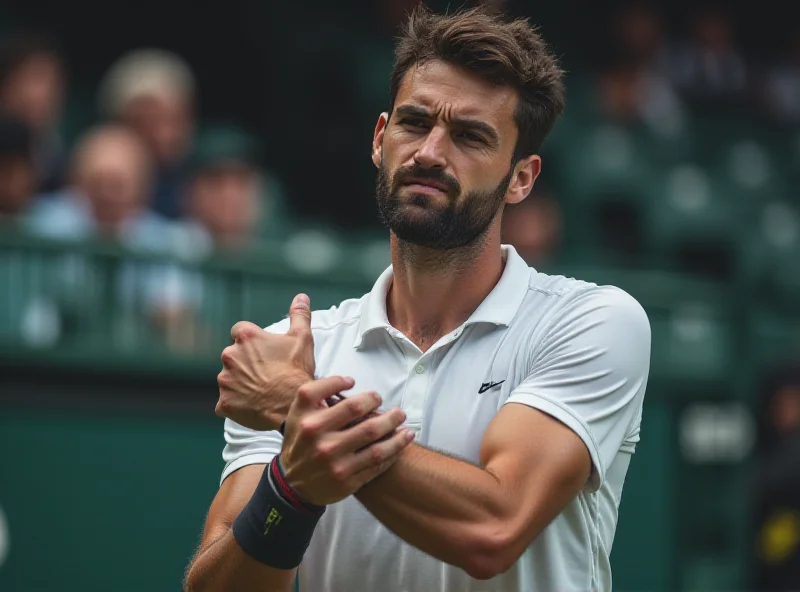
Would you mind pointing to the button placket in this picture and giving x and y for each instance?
(416, 391)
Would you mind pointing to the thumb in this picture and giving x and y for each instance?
(300, 315)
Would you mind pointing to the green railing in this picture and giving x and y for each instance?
(97, 301)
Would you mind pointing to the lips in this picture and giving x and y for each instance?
(428, 183)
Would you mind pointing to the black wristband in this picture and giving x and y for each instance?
(271, 531)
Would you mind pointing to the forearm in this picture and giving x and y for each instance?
(223, 565)
(448, 508)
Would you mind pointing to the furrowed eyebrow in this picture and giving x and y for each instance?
(466, 123)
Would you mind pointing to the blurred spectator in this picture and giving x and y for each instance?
(782, 88)
(777, 485)
(224, 209)
(17, 174)
(638, 36)
(110, 182)
(32, 88)
(533, 227)
(107, 197)
(153, 91)
(708, 68)
(629, 94)
(223, 191)
(634, 88)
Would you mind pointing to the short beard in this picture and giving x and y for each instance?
(460, 226)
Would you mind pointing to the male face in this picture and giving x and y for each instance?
(34, 91)
(113, 172)
(224, 198)
(164, 122)
(444, 157)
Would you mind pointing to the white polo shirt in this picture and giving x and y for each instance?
(574, 350)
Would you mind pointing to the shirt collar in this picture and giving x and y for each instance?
(498, 308)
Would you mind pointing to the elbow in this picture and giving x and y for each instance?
(190, 583)
(194, 581)
(489, 554)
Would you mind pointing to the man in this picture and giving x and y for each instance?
(523, 391)
(155, 92)
(108, 193)
(108, 197)
(32, 84)
(222, 197)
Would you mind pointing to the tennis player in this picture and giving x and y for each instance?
(490, 410)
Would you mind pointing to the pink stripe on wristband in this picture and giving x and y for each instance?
(287, 493)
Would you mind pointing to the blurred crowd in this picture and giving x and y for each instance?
(151, 175)
(145, 174)
(656, 78)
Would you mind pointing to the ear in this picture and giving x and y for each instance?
(525, 173)
(377, 139)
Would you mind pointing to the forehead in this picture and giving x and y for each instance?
(450, 91)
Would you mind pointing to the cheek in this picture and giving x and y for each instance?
(399, 146)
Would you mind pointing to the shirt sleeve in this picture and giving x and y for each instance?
(244, 446)
(590, 372)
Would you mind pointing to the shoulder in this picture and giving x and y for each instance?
(568, 303)
(149, 232)
(327, 321)
(60, 215)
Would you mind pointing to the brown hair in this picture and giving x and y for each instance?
(502, 52)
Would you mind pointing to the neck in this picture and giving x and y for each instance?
(434, 292)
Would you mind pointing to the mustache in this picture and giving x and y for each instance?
(417, 172)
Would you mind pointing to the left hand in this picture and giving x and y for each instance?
(262, 371)
(330, 452)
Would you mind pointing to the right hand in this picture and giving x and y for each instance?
(324, 462)
(262, 371)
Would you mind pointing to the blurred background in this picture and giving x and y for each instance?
(168, 168)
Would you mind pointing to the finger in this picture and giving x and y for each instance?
(244, 330)
(311, 394)
(347, 411)
(369, 431)
(227, 357)
(374, 460)
(300, 315)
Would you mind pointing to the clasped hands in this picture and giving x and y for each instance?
(329, 451)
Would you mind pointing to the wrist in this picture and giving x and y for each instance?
(288, 493)
(288, 384)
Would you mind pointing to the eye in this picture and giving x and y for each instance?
(414, 122)
(471, 137)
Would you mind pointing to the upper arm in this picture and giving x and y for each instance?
(246, 453)
(232, 497)
(220, 564)
(590, 372)
(563, 425)
(541, 466)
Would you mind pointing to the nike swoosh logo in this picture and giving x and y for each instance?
(489, 385)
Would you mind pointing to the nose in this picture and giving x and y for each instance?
(431, 153)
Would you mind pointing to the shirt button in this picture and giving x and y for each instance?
(420, 369)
